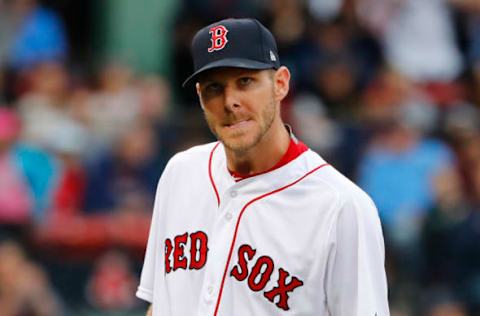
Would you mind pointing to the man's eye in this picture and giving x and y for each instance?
(245, 81)
(213, 87)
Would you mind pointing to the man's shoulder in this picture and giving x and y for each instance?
(192, 155)
(343, 187)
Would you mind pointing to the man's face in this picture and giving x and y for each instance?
(240, 105)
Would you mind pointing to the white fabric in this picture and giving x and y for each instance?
(325, 10)
(50, 126)
(420, 41)
(317, 226)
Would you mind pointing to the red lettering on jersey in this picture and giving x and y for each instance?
(240, 271)
(258, 280)
(188, 250)
(219, 38)
(179, 259)
(282, 289)
(198, 245)
(264, 278)
(168, 252)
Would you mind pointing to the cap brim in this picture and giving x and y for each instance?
(228, 62)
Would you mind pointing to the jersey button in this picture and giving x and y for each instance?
(233, 193)
(210, 290)
(208, 300)
(209, 295)
(228, 216)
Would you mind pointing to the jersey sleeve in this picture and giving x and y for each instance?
(356, 281)
(151, 266)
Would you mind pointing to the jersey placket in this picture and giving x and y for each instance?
(233, 197)
(231, 203)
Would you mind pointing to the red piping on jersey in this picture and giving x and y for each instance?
(238, 224)
(210, 173)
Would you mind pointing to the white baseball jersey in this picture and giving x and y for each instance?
(299, 240)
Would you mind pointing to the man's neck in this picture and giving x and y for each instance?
(264, 155)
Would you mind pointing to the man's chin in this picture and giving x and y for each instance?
(238, 145)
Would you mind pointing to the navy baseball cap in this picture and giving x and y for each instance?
(240, 43)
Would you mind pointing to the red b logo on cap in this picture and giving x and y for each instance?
(219, 38)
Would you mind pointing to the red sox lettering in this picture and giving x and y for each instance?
(219, 38)
(241, 272)
(198, 249)
(189, 251)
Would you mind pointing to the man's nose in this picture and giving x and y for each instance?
(231, 98)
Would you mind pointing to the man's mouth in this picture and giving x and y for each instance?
(237, 124)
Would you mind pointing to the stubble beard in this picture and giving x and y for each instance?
(240, 147)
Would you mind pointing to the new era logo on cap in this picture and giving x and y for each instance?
(241, 43)
(272, 56)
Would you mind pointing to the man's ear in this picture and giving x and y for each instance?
(197, 87)
(281, 83)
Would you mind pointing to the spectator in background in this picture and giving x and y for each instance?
(15, 201)
(121, 102)
(62, 222)
(28, 175)
(113, 108)
(451, 231)
(400, 163)
(154, 99)
(30, 34)
(335, 80)
(126, 179)
(325, 10)
(441, 302)
(69, 194)
(49, 123)
(288, 21)
(44, 106)
(467, 256)
(333, 61)
(462, 129)
(24, 287)
(112, 284)
(312, 124)
(418, 37)
(448, 308)
(156, 108)
(441, 226)
(473, 30)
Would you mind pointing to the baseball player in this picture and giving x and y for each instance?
(257, 223)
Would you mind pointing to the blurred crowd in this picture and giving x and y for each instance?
(388, 91)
